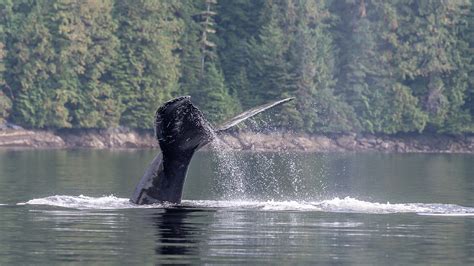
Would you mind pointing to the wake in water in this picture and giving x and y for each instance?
(340, 205)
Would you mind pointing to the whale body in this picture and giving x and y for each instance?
(181, 130)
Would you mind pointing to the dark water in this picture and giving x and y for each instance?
(246, 208)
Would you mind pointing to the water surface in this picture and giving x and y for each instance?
(72, 206)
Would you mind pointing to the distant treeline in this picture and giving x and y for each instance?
(353, 65)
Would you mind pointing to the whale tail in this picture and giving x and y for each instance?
(180, 126)
(181, 129)
(249, 113)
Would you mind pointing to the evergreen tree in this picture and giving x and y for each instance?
(467, 35)
(30, 64)
(212, 97)
(86, 48)
(269, 70)
(312, 61)
(368, 74)
(394, 106)
(5, 101)
(358, 59)
(237, 22)
(190, 53)
(353, 65)
(202, 77)
(429, 55)
(292, 56)
(146, 73)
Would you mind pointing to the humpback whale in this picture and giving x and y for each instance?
(181, 130)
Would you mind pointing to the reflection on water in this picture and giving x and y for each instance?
(284, 209)
(175, 235)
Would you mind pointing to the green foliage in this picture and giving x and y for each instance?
(432, 60)
(404, 53)
(30, 66)
(190, 54)
(86, 47)
(237, 23)
(213, 96)
(268, 75)
(402, 115)
(5, 106)
(312, 57)
(206, 85)
(466, 34)
(5, 102)
(146, 72)
(352, 65)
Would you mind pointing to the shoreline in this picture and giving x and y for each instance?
(276, 141)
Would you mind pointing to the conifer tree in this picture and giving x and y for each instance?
(5, 101)
(368, 71)
(357, 58)
(237, 22)
(146, 73)
(312, 61)
(189, 51)
(269, 71)
(208, 89)
(86, 48)
(430, 60)
(353, 65)
(467, 35)
(30, 67)
(213, 97)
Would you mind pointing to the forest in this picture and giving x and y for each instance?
(369, 66)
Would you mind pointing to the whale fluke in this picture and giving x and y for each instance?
(249, 113)
(181, 129)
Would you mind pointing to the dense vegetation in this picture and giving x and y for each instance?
(353, 65)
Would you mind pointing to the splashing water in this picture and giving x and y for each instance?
(239, 178)
(85, 202)
(229, 171)
(340, 205)
(263, 175)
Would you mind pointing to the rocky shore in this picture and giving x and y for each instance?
(124, 139)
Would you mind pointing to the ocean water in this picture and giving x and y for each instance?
(59, 206)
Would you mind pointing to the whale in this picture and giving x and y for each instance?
(181, 129)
